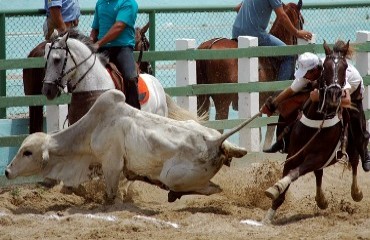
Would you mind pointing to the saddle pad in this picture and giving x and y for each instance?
(143, 91)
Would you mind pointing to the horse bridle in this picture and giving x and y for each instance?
(144, 47)
(323, 88)
(58, 81)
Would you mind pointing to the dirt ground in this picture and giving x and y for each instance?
(34, 212)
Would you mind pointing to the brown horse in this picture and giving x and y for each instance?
(318, 124)
(226, 70)
(32, 78)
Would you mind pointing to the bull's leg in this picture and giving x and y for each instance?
(356, 192)
(111, 171)
(320, 199)
(212, 188)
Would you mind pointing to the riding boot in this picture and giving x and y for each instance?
(279, 145)
(132, 93)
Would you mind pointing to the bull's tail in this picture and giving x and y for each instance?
(178, 113)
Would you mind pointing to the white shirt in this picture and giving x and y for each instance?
(353, 80)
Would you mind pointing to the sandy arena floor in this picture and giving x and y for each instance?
(34, 212)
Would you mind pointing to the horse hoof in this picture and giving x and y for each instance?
(272, 193)
(322, 204)
(357, 197)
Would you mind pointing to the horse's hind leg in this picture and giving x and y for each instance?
(320, 199)
(222, 103)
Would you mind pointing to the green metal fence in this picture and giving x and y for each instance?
(20, 31)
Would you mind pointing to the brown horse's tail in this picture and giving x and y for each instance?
(203, 101)
(32, 84)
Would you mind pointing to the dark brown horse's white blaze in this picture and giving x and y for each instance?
(32, 77)
(226, 70)
(320, 123)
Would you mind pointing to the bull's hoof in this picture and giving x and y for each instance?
(272, 193)
(173, 196)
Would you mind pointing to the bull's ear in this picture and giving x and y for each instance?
(45, 155)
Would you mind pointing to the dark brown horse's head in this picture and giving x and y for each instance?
(294, 13)
(142, 44)
(333, 78)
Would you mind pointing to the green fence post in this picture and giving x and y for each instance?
(2, 56)
(152, 36)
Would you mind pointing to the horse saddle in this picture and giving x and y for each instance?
(119, 83)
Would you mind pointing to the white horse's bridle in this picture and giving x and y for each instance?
(58, 81)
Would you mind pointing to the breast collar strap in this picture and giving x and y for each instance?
(316, 123)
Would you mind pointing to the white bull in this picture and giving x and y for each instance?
(179, 156)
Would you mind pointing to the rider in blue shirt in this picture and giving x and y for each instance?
(113, 30)
(252, 20)
(61, 14)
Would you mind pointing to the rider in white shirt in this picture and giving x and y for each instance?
(309, 69)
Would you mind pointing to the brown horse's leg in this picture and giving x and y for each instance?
(32, 84)
(222, 103)
(278, 191)
(356, 192)
(320, 199)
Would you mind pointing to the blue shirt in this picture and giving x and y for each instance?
(107, 12)
(254, 16)
(70, 8)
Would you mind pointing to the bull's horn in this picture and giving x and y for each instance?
(224, 136)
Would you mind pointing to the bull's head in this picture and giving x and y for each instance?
(31, 158)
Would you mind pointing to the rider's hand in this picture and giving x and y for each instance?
(268, 107)
(306, 35)
(314, 95)
(265, 110)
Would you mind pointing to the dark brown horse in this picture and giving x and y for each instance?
(318, 124)
(32, 78)
(226, 70)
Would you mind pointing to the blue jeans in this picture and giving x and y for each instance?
(123, 58)
(287, 66)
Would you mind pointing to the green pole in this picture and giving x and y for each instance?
(152, 36)
(2, 56)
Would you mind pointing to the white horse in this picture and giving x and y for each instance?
(72, 62)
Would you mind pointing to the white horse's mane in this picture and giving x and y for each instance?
(75, 34)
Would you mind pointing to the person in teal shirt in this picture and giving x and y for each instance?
(113, 31)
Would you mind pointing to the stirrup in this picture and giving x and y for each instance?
(344, 159)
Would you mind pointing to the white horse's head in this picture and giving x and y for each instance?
(65, 64)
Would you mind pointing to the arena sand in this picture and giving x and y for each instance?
(34, 212)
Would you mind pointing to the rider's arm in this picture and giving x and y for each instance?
(284, 19)
(56, 17)
(94, 35)
(285, 94)
(112, 34)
